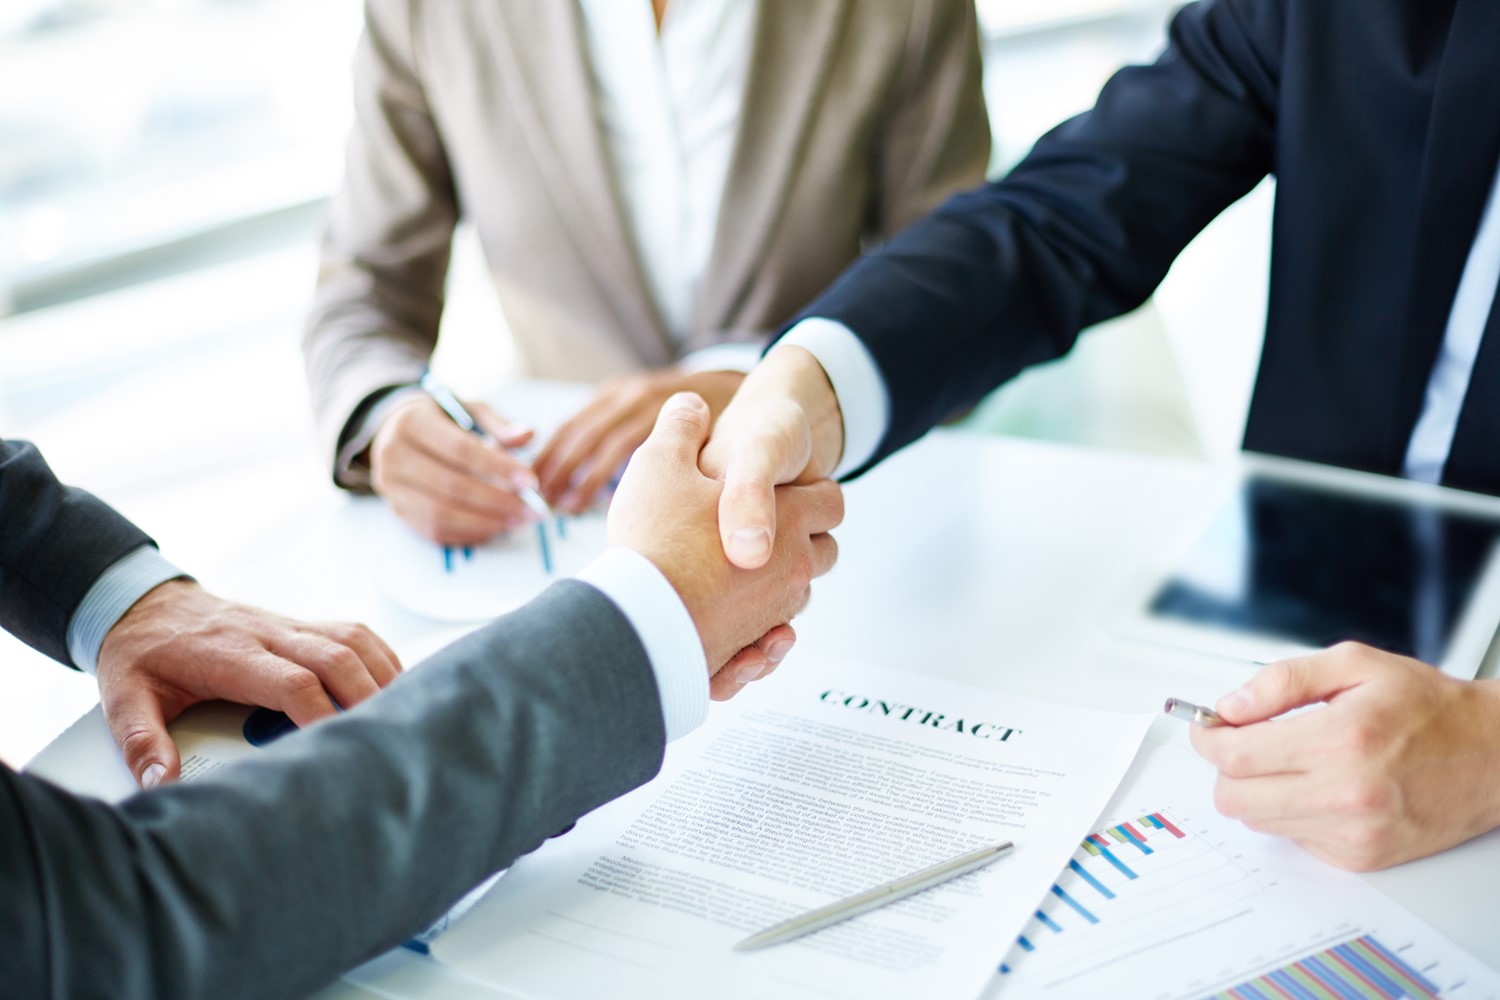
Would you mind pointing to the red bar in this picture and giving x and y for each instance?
(1168, 824)
(1134, 832)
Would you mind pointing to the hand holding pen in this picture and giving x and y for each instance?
(451, 485)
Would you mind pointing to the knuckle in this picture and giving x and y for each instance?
(1226, 801)
(1367, 797)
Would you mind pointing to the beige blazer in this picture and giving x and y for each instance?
(859, 117)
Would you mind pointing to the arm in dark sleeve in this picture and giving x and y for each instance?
(55, 541)
(270, 877)
(1082, 230)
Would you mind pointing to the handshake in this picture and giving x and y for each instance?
(668, 507)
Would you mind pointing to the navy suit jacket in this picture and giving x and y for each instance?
(1380, 120)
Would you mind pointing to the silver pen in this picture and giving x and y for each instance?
(871, 899)
(1196, 714)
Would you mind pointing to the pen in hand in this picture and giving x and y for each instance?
(1196, 714)
(449, 403)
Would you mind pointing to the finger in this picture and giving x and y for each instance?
(377, 657)
(575, 443)
(507, 432)
(1278, 746)
(1288, 684)
(613, 453)
(460, 489)
(440, 438)
(444, 524)
(754, 661)
(679, 431)
(775, 450)
(339, 668)
(139, 727)
(815, 508)
(825, 553)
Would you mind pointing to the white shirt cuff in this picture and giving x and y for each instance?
(666, 630)
(723, 358)
(117, 589)
(857, 383)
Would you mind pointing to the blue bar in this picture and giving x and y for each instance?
(1374, 974)
(562, 527)
(541, 537)
(1057, 891)
(447, 559)
(1048, 922)
(1288, 982)
(1155, 822)
(1109, 856)
(1255, 992)
(1083, 873)
(1004, 969)
(1025, 944)
(1332, 977)
(1395, 960)
(1138, 842)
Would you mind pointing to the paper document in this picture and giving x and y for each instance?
(474, 584)
(1168, 899)
(826, 780)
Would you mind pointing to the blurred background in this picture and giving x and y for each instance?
(164, 166)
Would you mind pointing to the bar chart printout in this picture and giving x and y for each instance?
(1357, 969)
(1169, 901)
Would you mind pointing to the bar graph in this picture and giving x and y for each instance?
(1359, 969)
(1170, 901)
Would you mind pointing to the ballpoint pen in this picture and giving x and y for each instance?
(871, 899)
(448, 402)
(1196, 714)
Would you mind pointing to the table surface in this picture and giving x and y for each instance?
(988, 561)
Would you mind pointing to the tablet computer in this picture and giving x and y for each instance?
(1291, 558)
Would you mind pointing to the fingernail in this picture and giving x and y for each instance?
(684, 401)
(779, 649)
(749, 672)
(1235, 702)
(151, 777)
(751, 543)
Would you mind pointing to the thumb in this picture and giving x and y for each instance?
(1288, 684)
(681, 430)
(775, 449)
(135, 718)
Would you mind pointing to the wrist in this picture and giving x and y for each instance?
(801, 378)
(1487, 697)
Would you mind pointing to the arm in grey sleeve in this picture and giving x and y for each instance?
(270, 877)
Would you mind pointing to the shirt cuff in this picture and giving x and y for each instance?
(723, 358)
(348, 471)
(113, 594)
(864, 401)
(666, 630)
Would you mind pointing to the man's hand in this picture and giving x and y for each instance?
(783, 426)
(667, 509)
(180, 645)
(1400, 763)
(444, 481)
(586, 452)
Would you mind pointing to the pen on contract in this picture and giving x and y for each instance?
(871, 899)
(448, 402)
(1196, 714)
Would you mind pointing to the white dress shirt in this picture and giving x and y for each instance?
(865, 405)
(668, 107)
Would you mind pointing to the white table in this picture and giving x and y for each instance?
(988, 561)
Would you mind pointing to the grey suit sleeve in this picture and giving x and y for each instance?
(268, 878)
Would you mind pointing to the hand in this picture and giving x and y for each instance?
(1400, 763)
(180, 645)
(666, 509)
(783, 426)
(444, 481)
(590, 448)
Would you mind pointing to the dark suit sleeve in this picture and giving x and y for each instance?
(55, 541)
(1082, 230)
(271, 876)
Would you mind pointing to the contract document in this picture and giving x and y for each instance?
(825, 780)
(1166, 899)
